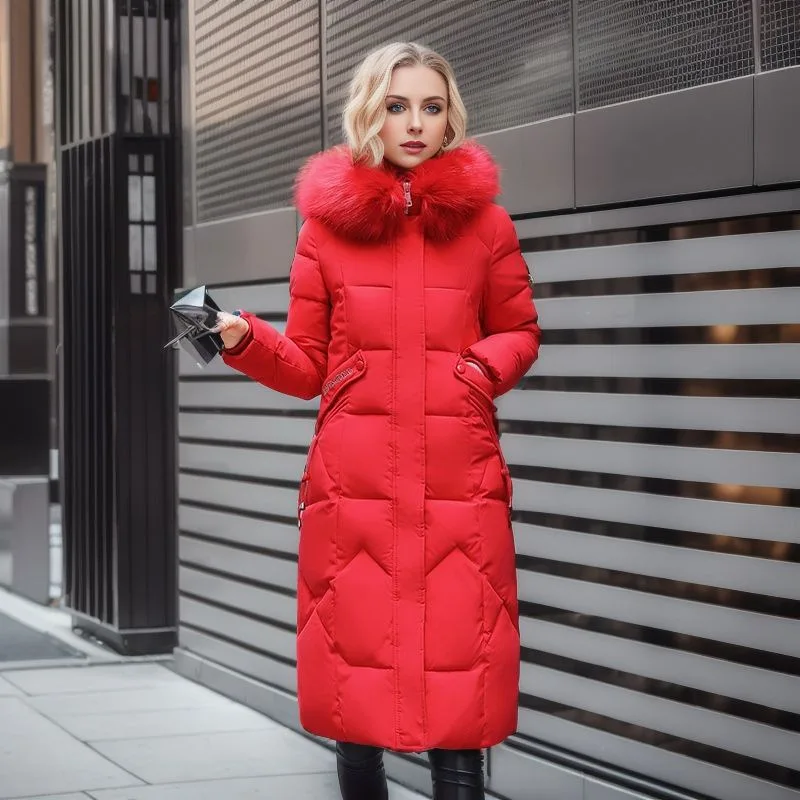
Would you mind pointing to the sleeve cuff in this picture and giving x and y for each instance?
(245, 341)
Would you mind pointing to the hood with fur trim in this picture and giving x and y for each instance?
(368, 203)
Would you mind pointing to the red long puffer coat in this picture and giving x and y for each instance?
(407, 623)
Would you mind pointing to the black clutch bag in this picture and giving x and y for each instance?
(195, 316)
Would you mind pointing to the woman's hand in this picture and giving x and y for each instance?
(231, 328)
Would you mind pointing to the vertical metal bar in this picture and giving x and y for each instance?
(160, 82)
(323, 75)
(96, 385)
(756, 6)
(102, 23)
(112, 232)
(145, 66)
(129, 3)
(77, 33)
(89, 66)
(33, 51)
(65, 22)
(576, 84)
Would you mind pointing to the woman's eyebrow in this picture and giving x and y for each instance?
(405, 99)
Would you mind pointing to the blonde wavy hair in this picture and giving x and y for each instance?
(365, 111)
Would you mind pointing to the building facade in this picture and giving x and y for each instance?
(651, 165)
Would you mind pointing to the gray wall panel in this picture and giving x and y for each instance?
(241, 659)
(514, 774)
(233, 593)
(745, 520)
(665, 213)
(239, 494)
(726, 732)
(663, 663)
(277, 536)
(716, 623)
(757, 414)
(751, 361)
(228, 394)
(696, 140)
(777, 126)
(240, 628)
(672, 768)
(242, 428)
(241, 563)
(249, 248)
(744, 467)
(241, 462)
(727, 307)
(537, 163)
(760, 576)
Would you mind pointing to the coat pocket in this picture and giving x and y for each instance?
(481, 399)
(333, 399)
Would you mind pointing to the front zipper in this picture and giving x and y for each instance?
(407, 196)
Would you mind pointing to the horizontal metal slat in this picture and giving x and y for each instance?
(234, 626)
(265, 430)
(729, 307)
(231, 592)
(753, 685)
(751, 739)
(740, 361)
(726, 571)
(674, 257)
(240, 659)
(658, 763)
(240, 461)
(745, 520)
(747, 414)
(237, 563)
(238, 494)
(239, 530)
(227, 394)
(717, 623)
(742, 467)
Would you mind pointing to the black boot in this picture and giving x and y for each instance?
(457, 774)
(361, 772)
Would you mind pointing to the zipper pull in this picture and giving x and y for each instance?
(407, 195)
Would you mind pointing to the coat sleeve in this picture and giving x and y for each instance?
(294, 363)
(509, 317)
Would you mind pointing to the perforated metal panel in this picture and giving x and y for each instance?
(629, 49)
(780, 28)
(257, 102)
(513, 60)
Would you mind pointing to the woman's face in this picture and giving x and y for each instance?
(416, 116)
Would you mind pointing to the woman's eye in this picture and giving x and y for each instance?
(433, 108)
(395, 108)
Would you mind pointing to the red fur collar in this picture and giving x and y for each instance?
(367, 203)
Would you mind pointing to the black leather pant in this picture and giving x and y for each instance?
(456, 774)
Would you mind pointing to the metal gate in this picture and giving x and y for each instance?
(119, 253)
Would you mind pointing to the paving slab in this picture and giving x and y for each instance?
(173, 722)
(30, 741)
(81, 796)
(102, 678)
(179, 696)
(8, 689)
(175, 759)
(320, 786)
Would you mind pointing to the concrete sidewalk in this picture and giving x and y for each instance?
(138, 731)
(110, 728)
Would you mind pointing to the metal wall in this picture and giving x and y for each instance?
(653, 447)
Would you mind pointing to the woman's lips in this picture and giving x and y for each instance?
(413, 148)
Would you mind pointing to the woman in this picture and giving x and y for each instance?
(410, 311)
